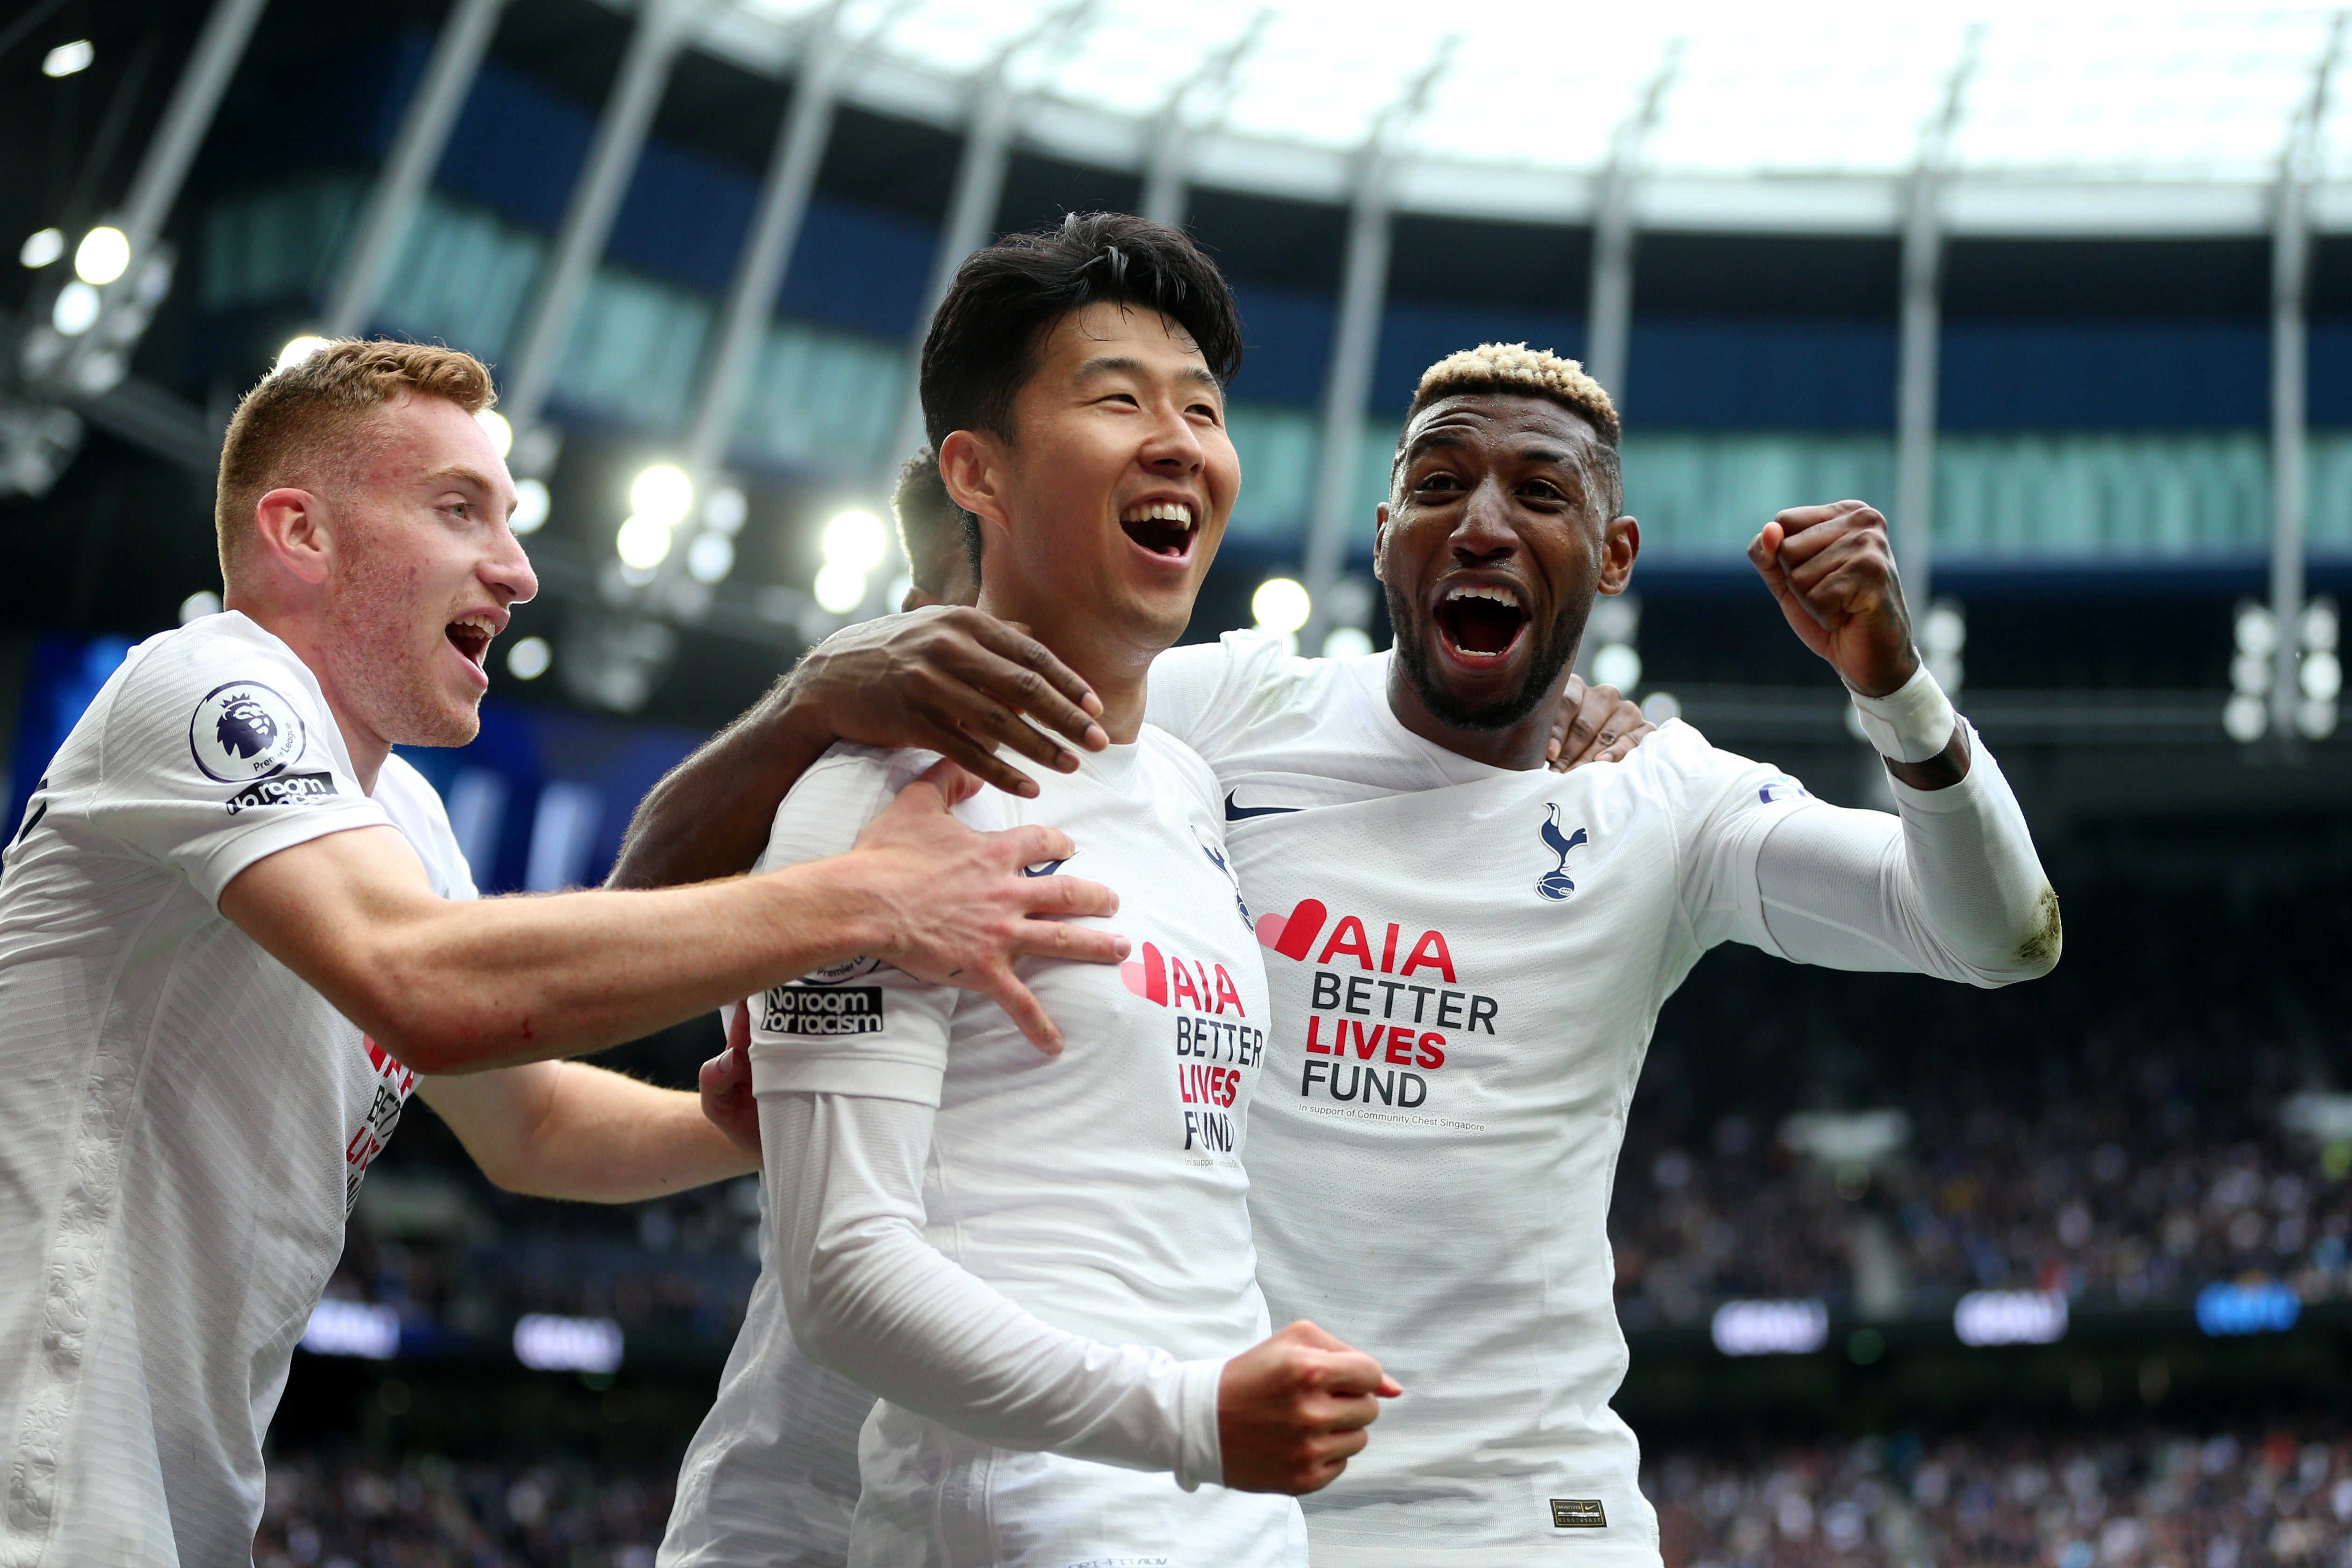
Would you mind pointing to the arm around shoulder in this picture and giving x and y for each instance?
(461, 986)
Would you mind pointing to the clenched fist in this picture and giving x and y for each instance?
(1833, 570)
(1290, 1411)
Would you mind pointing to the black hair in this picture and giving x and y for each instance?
(984, 340)
(930, 521)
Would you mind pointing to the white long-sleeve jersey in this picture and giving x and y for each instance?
(1465, 965)
(1036, 1262)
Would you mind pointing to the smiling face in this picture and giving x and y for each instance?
(1102, 513)
(422, 569)
(1494, 540)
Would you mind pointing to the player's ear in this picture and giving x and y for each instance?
(972, 465)
(1621, 541)
(290, 530)
(1381, 543)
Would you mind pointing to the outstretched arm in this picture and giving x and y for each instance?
(566, 1130)
(869, 1298)
(459, 987)
(944, 680)
(1954, 888)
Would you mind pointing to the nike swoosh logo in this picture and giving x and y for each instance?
(1043, 868)
(1236, 813)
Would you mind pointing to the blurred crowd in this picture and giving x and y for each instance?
(441, 1513)
(2150, 1498)
(431, 1237)
(2115, 1131)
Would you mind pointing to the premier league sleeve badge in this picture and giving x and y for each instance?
(243, 732)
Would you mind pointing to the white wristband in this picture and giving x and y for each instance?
(1911, 723)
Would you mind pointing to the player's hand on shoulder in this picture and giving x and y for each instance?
(726, 1084)
(1593, 725)
(961, 909)
(1833, 570)
(951, 680)
(1292, 1410)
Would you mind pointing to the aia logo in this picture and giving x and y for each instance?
(1554, 884)
(1170, 980)
(1293, 936)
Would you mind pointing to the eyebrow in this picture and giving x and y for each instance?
(1445, 440)
(463, 475)
(1108, 364)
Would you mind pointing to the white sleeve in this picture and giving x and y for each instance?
(1214, 696)
(216, 753)
(861, 1027)
(1185, 690)
(869, 1298)
(1952, 888)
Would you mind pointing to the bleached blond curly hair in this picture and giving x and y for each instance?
(1516, 370)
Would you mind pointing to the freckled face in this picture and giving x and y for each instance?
(425, 569)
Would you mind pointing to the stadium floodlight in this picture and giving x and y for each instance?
(1281, 604)
(2246, 717)
(353, 1327)
(662, 495)
(296, 350)
(41, 248)
(1616, 664)
(103, 256)
(2321, 676)
(1770, 1328)
(858, 542)
(2010, 1318)
(529, 659)
(725, 510)
(840, 587)
(710, 557)
(1347, 642)
(198, 604)
(68, 59)
(76, 311)
(1660, 706)
(546, 1342)
(531, 506)
(2255, 629)
(2320, 626)
(642, 542)
(494, 424)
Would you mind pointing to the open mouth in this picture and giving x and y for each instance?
(1481, 623)
(1165, 528)
(470, 636)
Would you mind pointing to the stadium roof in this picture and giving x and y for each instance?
(2103, 118)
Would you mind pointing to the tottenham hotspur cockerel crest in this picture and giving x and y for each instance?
(1554, 884)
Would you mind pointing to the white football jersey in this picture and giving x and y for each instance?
(1101, 1191)
(1465, 963)
(183, 1125)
